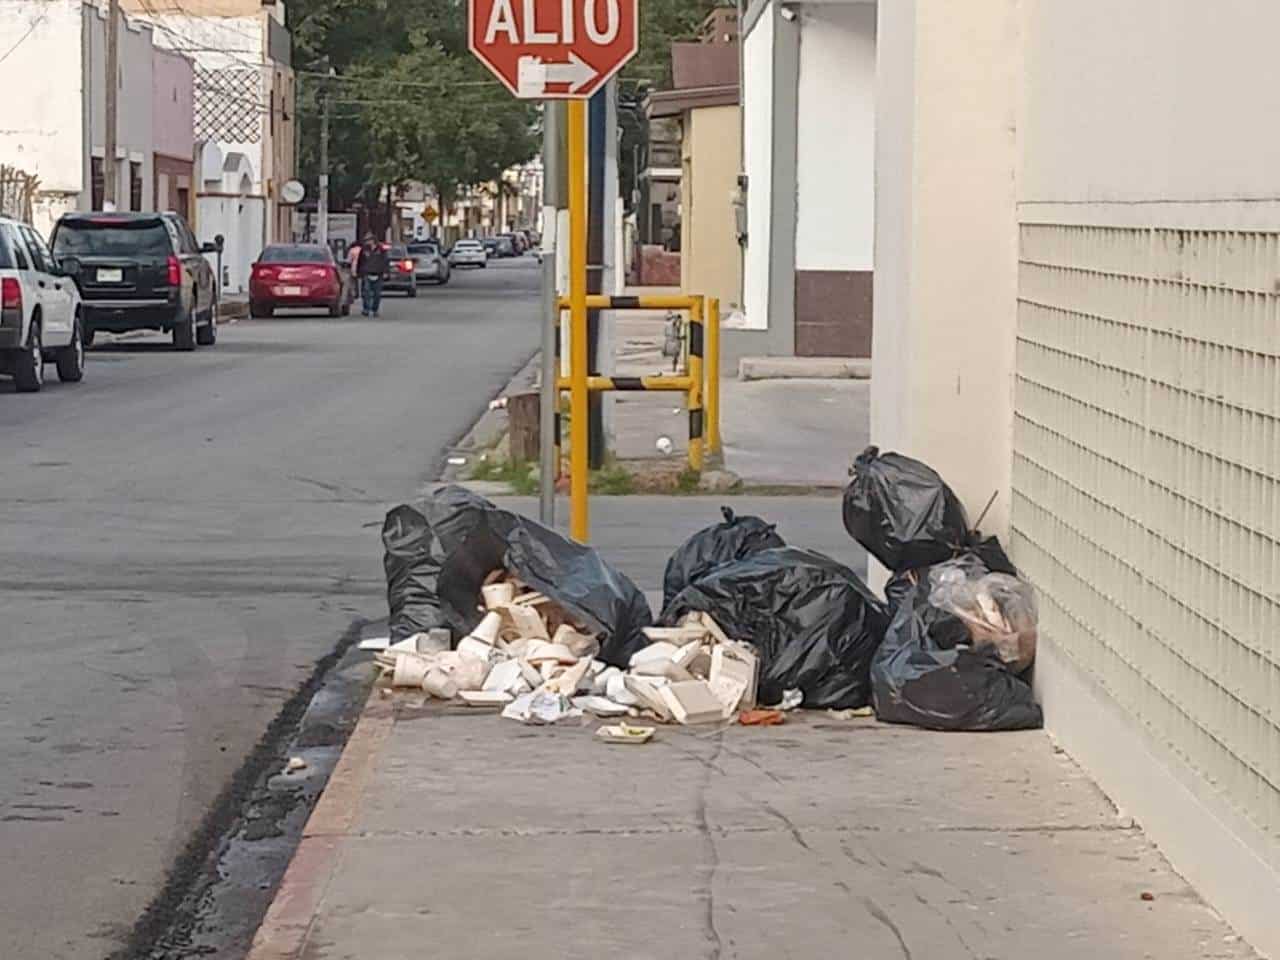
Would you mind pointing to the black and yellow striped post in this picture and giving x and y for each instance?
(689, 383)
(713, 376)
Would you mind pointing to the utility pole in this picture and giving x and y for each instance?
(110, 177)
(597, 115)
(322, 199)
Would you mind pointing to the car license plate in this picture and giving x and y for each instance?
(288, 291)
(110, 275)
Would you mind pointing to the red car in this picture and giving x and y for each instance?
(297, 275)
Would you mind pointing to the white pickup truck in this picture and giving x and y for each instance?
(40, 313)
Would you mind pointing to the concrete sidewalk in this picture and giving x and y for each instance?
(445, 832)
(783, 432)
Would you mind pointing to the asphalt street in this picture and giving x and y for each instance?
(183, 537)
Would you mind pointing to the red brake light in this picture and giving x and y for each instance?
(406, 266)
(175, 272)
(10, 294)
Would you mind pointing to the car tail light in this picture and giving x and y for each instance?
(406, 266)
(322, 273)
(10, 294)
(175, 272)
(265, 270)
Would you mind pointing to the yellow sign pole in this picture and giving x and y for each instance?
(578, 519)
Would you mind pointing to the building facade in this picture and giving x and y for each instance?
(172, 111)
(703, 102)
(808, 154)
(244, 110)
(56, 130)
(1076, 295)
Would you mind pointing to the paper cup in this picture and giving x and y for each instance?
(486, 630)
(410, 670)
(440, 684)
(498, 595)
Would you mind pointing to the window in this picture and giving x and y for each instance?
(98, 183)
(184, 201)
(7, 260)
(40, 257)
(135, 186)
(112, 238)
(295, 253)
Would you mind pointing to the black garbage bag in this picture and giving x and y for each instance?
(440, 549)
(417, 539)
(907, 517)
(925, 674)
(902, 512)
(596, 594)
(814, 623)
(734, 539)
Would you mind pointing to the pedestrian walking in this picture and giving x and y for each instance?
(371, 270)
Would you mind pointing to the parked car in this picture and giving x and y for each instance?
(401, 274)
(430, 265)
(140, 271)
(518, 243)
(298, 275)
(41, 315)
(468, 253)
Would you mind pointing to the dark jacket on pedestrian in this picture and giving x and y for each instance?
(372, 261)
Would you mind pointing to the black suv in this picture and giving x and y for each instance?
(140, 271)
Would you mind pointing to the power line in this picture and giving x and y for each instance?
(400, 83)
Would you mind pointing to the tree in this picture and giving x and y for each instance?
(411, 104)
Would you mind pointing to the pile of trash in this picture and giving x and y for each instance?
(551, 631)
(964, 624)
(531, 657)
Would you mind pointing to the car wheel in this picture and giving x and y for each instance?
(70, 359)
(261, 310)
(207, 335)
(184, 332)
(28, 365)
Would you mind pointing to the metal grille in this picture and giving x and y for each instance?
(229, 104)
(1147, 481)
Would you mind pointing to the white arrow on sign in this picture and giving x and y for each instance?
(533, 75)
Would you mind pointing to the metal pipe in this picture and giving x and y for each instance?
(579, 523)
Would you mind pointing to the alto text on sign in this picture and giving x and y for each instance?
(553, 49)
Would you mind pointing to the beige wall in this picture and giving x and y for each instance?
(709, 257)
(946, 260)
(1078, 305)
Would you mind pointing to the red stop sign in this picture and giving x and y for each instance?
(553, 49)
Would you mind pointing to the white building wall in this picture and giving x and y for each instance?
(835, 154)
(40, 122)
(757, 87)
(1078, 306)
(1146, 472)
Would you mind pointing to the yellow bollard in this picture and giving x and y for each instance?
(713, 376)
(695, 385)
(579, 525)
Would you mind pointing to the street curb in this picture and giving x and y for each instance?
(287, 924)
(486, 431)
(804, 368)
